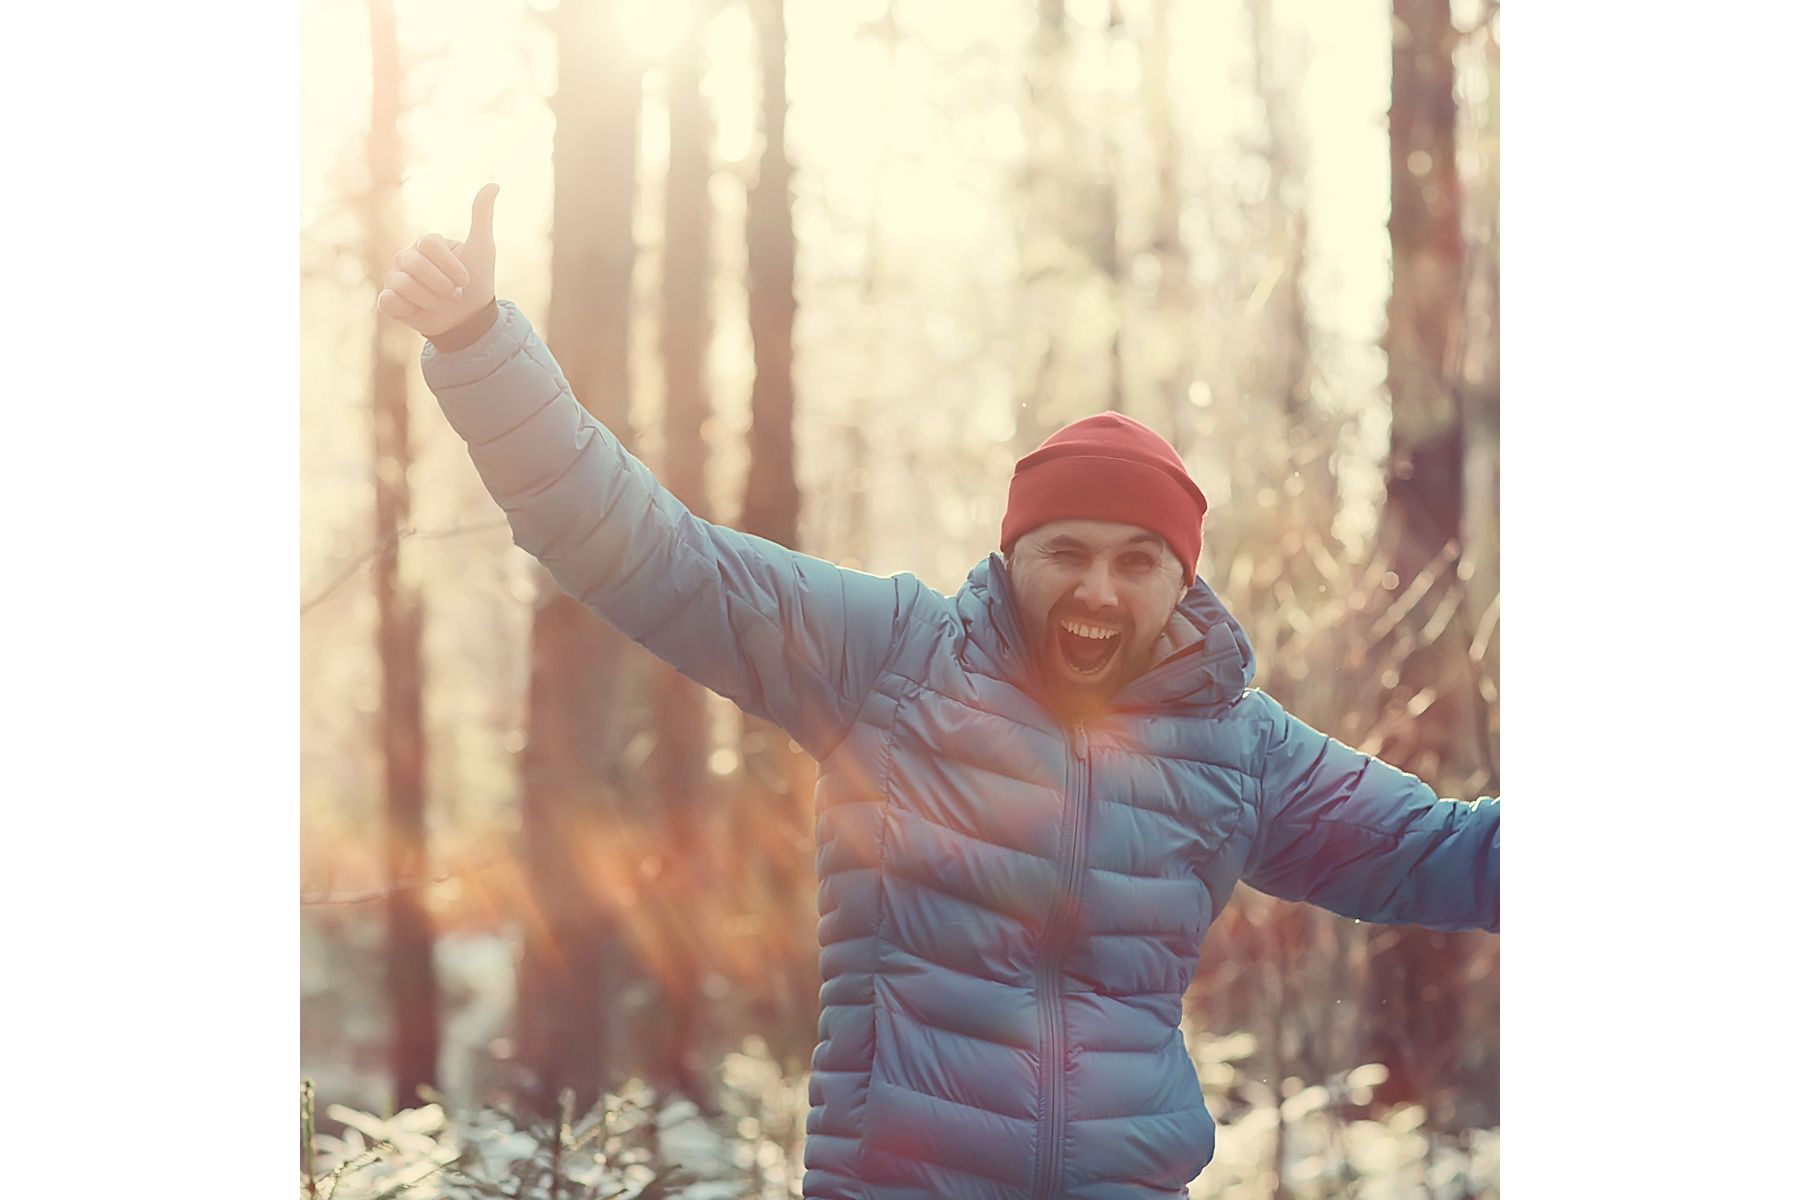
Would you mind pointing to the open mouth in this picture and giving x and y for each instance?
(1086, 649)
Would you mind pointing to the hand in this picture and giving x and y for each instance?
(437, 284)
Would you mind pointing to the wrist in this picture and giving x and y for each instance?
(468, 332)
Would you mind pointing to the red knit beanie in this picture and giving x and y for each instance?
(1107, 467)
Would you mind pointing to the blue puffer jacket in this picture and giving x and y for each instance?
(1009, 909)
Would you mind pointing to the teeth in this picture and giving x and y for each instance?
(1089, 631)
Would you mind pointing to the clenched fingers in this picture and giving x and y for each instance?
(411, 289)
(414, 263)
(392, 305)
(442, 252)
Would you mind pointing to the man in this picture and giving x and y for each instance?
(1034, 797)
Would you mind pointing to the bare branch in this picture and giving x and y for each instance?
(382, 893)
(1414, 593)
(1484, 630)
(374, 552)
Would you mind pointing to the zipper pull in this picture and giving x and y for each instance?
(1081, 741)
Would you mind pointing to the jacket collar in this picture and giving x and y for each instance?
(1204, 659)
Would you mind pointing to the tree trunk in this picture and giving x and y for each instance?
(1070, 260)
(1481, 408)
(411, 980)
(775, 808)
(1424, 493)
(771, 495)
(1288, 332)
(1415, 976)
(579, 853)
(1046, 193)
(1480, 1064)
(1172, 355)
(1108, 255)
(678, 705)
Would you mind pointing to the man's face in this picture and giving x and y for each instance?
(1094, 597)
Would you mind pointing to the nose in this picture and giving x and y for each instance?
(1096, 587)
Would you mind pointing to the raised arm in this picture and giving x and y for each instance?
(786, 636)
(1350, 833)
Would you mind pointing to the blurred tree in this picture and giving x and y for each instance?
(1284, 359)
(678, 763)
(1070, 273)
(580, 858)
(1108, 257)
(1169, 352)
(1479, 141)
(1416, 977)
(775, 811)
(1048, 123)
(771, 495)
(412, 991)
(1422, 517)
(1478, 144)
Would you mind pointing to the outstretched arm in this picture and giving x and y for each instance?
(1350, 833)
(788, 637)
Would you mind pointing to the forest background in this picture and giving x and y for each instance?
(830, 268)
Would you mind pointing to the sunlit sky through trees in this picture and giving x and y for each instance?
(908, 148)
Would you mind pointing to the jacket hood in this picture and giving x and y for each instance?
(1203, 658)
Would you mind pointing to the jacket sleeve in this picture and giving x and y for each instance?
(788, 637)
(1366, 840)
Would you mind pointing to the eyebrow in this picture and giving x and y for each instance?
(1067, 541)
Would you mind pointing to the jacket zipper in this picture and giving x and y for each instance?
(1062, 912)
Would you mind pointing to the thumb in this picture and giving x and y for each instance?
(481, 216)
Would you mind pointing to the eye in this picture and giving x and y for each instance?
(1138, 562)
(1065, 556)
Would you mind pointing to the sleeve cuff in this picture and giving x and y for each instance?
(450, 368)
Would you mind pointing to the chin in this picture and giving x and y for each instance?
(1080, 695)
(1079, 701)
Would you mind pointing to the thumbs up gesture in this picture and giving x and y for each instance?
(436, 283)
